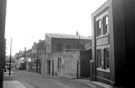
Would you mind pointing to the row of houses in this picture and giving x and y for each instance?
(107, 58)
(60, 55)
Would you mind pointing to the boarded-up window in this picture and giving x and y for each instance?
(68, 46)
(59, 47)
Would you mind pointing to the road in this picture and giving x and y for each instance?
(38, 81)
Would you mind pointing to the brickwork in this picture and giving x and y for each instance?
(2, 41)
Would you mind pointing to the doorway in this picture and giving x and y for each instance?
(48, 66)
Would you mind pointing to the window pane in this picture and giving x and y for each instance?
(98, 31)
(106, 20)
(106, 53)
(99, 24)
(105, 25)
(99, 59)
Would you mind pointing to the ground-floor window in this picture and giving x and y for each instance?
(99, 59)
(102, 58)
(106, 58)
(59, 63)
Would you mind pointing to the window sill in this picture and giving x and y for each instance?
(102, 35)
(104, 70)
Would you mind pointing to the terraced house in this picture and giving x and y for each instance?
(113, 42)
(33, 56)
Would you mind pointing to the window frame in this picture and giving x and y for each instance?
(102, 61)
(99, 58)
(105, 24)
(98, 28)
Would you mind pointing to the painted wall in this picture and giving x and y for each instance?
(68, 64)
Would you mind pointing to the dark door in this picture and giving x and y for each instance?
(52, 67)
(49, 69)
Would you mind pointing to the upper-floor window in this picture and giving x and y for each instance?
(102, 26)
(68, 46)
(99, 26)
(105, 25)
(59, 47)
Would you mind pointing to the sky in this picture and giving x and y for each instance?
(27, 21)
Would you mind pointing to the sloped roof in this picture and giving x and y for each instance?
(65, 36)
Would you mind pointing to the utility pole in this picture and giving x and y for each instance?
(10, 57)
(25, 63)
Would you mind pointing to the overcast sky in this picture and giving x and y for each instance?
(27, 21)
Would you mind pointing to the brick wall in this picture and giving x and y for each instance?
(2, 40)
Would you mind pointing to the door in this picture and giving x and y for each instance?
(52, 67)
(48, 65)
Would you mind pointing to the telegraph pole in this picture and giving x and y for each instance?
(10, 57)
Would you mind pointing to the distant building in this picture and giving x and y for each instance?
(28, 57)
(40, 52)
(20, 61)
(63, 55)
(113, 43)
(33, 56)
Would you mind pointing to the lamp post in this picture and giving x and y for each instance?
(10, 57)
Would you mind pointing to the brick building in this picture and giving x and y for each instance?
(113, 42)
(2, 38)
(33, 56)
(63, 55)
(40, 52)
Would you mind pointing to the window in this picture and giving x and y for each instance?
(99, 25)
(68, 46)
(59, 47)
(99, 59)
(106, 58)
(59, 63)
(103, 60)
(105, 25)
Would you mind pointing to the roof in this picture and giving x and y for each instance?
(88, 48)
(66, 36)
(101, 8)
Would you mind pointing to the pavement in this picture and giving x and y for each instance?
(95, 84)
(12, 82)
